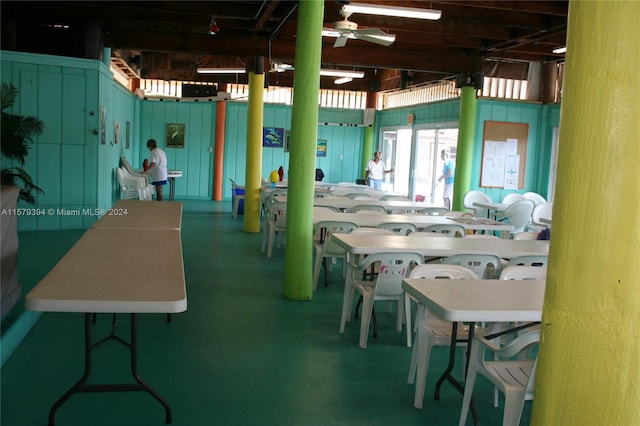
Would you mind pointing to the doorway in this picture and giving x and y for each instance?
(416, 161)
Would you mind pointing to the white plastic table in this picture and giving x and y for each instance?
(107, 270)
(171, 176)
(476, 301)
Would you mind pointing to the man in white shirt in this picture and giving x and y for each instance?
(375, 171)
(157, 167)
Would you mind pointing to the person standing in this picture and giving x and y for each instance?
(376, 170)
(447, 175)
(157, 167)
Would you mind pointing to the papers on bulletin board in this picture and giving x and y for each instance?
(500, 164)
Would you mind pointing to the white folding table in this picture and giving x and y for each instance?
(107, 270)
(477, 301)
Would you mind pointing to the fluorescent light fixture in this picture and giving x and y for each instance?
(399, 11)
(342, 73)
(221, 70)
(559, 50)
(343, 80)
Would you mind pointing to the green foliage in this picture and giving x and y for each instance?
(17, 134)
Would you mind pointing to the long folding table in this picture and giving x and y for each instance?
(110, 270)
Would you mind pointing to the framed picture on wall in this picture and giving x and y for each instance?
(272, 137)
(175, 135)
(321, 148)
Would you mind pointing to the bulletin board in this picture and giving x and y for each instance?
(504, 155)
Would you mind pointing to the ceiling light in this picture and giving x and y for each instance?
(342, 73)
(399, 11)
(221, 70)
(559, 50)
(343, 80)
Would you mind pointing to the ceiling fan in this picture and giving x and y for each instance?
(346, 29)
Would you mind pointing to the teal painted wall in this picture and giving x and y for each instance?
(195, 160)
(67, 160)
(344, 143)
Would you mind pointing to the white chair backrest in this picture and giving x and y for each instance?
(519, 272)
(535, 197)
(453, 231)
(541, 210)
(443, 271)
(518, 214)
(393, 268)
(532, 260)
(512, 197)
(323, 194)
(403, 228)
(368, 207)
(484, 265)
(357, 195)
(324, 231)
(434, 211)
(476, 197)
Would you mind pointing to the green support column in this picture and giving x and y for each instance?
(298, 273)
(464, 151)
(589, 359)
(367, 149)
(252, 183)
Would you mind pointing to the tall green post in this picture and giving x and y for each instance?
(298, 273)
(464, 151)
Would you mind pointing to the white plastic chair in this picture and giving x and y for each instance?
(515, 378)
(541, 210)
(521, 272)
(132, 187)
(476, 197)
(399, 228)
(392, 269)
(325, 246)
(276, 226)
(535, 197)
(453, 231)
(485, 266)
(358, 196)
(434, 211)
(512, 197)
(431, 330)
(368, 207)
(518, 214)
(531, 260)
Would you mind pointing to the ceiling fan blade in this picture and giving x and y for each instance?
(370, 31)
(341, 41)
(383, 40)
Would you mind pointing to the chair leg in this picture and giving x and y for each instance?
(326, 279)
(347, 301)
(365, 320)
(316, 268)
(513, 404)
(424, 345)
(468, 392)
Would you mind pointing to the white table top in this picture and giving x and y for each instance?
(141, 214)
(440, 247)
(116, 271)
(372, 219)
(479, 300)
(174, 173)
(344, 203)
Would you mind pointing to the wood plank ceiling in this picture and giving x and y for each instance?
(169, 40)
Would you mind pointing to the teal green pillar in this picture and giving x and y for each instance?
(367, 149)
(298, 263)
(464, 151)
(255, 114)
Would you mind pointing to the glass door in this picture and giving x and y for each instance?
(416, 161)
(429, 163)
